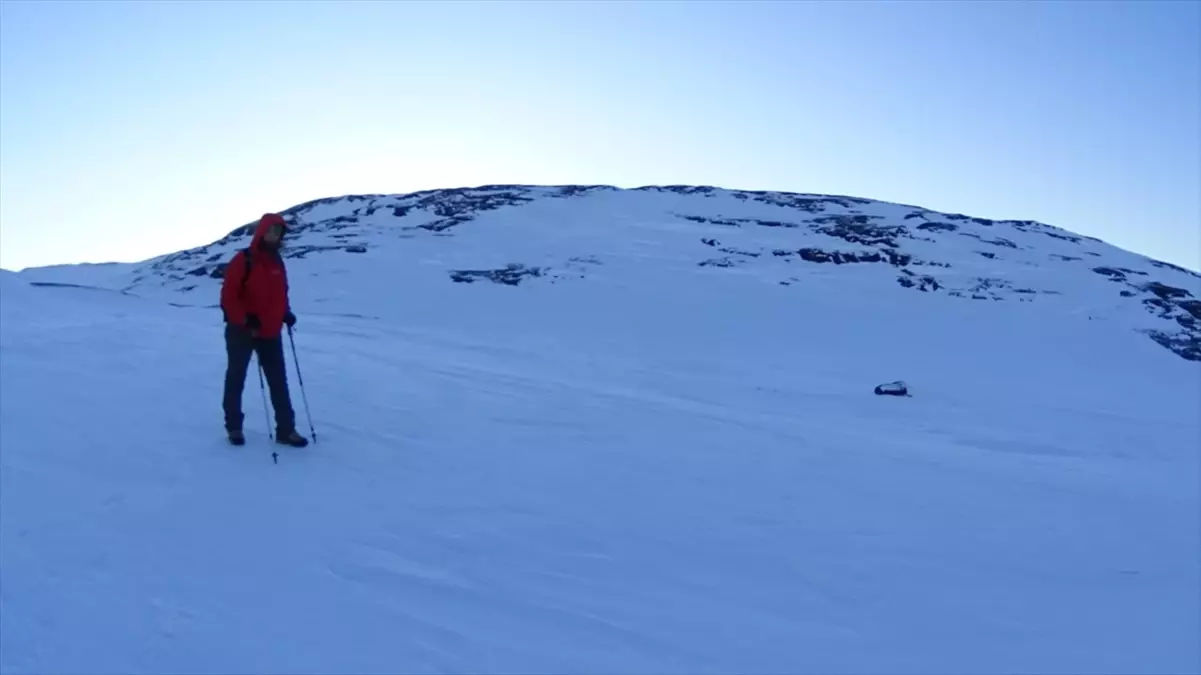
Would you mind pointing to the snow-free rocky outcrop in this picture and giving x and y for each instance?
(564, 233)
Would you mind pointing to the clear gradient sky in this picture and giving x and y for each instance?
(132, 129)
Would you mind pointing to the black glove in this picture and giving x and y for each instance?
(290, 319)
(252, 323)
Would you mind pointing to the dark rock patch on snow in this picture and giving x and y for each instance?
(509, 275)
(897, 388)
(1165, 291)
(1000, 241)
(924, 283)
(860, 230)
(938, 227)
(1169, 266)
(1185, 345)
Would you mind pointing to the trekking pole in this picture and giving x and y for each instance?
(263, 390)
(300, 378)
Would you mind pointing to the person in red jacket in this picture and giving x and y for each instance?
(254, 299)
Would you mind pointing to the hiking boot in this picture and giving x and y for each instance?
(291, 438)
(236, 437)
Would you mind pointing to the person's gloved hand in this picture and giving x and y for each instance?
(289, 319)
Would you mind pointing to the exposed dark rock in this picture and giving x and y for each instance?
(717, 262)
(1193, 307)
(1064, 257)
(986, 254)
(341, 222)
(499, 187)
(921, 283)
(818, 255)
(1178, 305)
(1065, 237)
(1117, 273)
(458, 206)
(708, 241)
(588, 260)
(574, 190)
(988, 284)
(898, 388)
(1158, 306)
(710, 221)
(938, 227)
(859, 230)
(679, 189)
(444, 224)
(1113, 274)
(510, 275)
(1183, 344)
(809, 203)
(357, 248)
(1024, 225)
(1165, 291)
(1166, 265)
(297, 252)
(1000, 241)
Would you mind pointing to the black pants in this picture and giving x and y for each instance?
(239, 346)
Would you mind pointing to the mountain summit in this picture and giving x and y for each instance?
(528, 235)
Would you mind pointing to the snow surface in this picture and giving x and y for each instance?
(647, 466)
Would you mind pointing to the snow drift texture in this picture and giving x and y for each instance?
(582, 429)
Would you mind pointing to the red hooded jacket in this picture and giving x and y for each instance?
(264, 293)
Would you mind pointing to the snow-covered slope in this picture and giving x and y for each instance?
(635, 452)
(827, 245)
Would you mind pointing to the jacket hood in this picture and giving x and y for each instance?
(266, 222)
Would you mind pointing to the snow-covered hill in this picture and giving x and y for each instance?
(535, 234)
(586, 430)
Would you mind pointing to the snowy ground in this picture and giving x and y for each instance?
(601, 479)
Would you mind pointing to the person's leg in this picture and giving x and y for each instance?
(238, 348)
(271, 356)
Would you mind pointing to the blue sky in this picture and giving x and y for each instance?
(133, 129)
